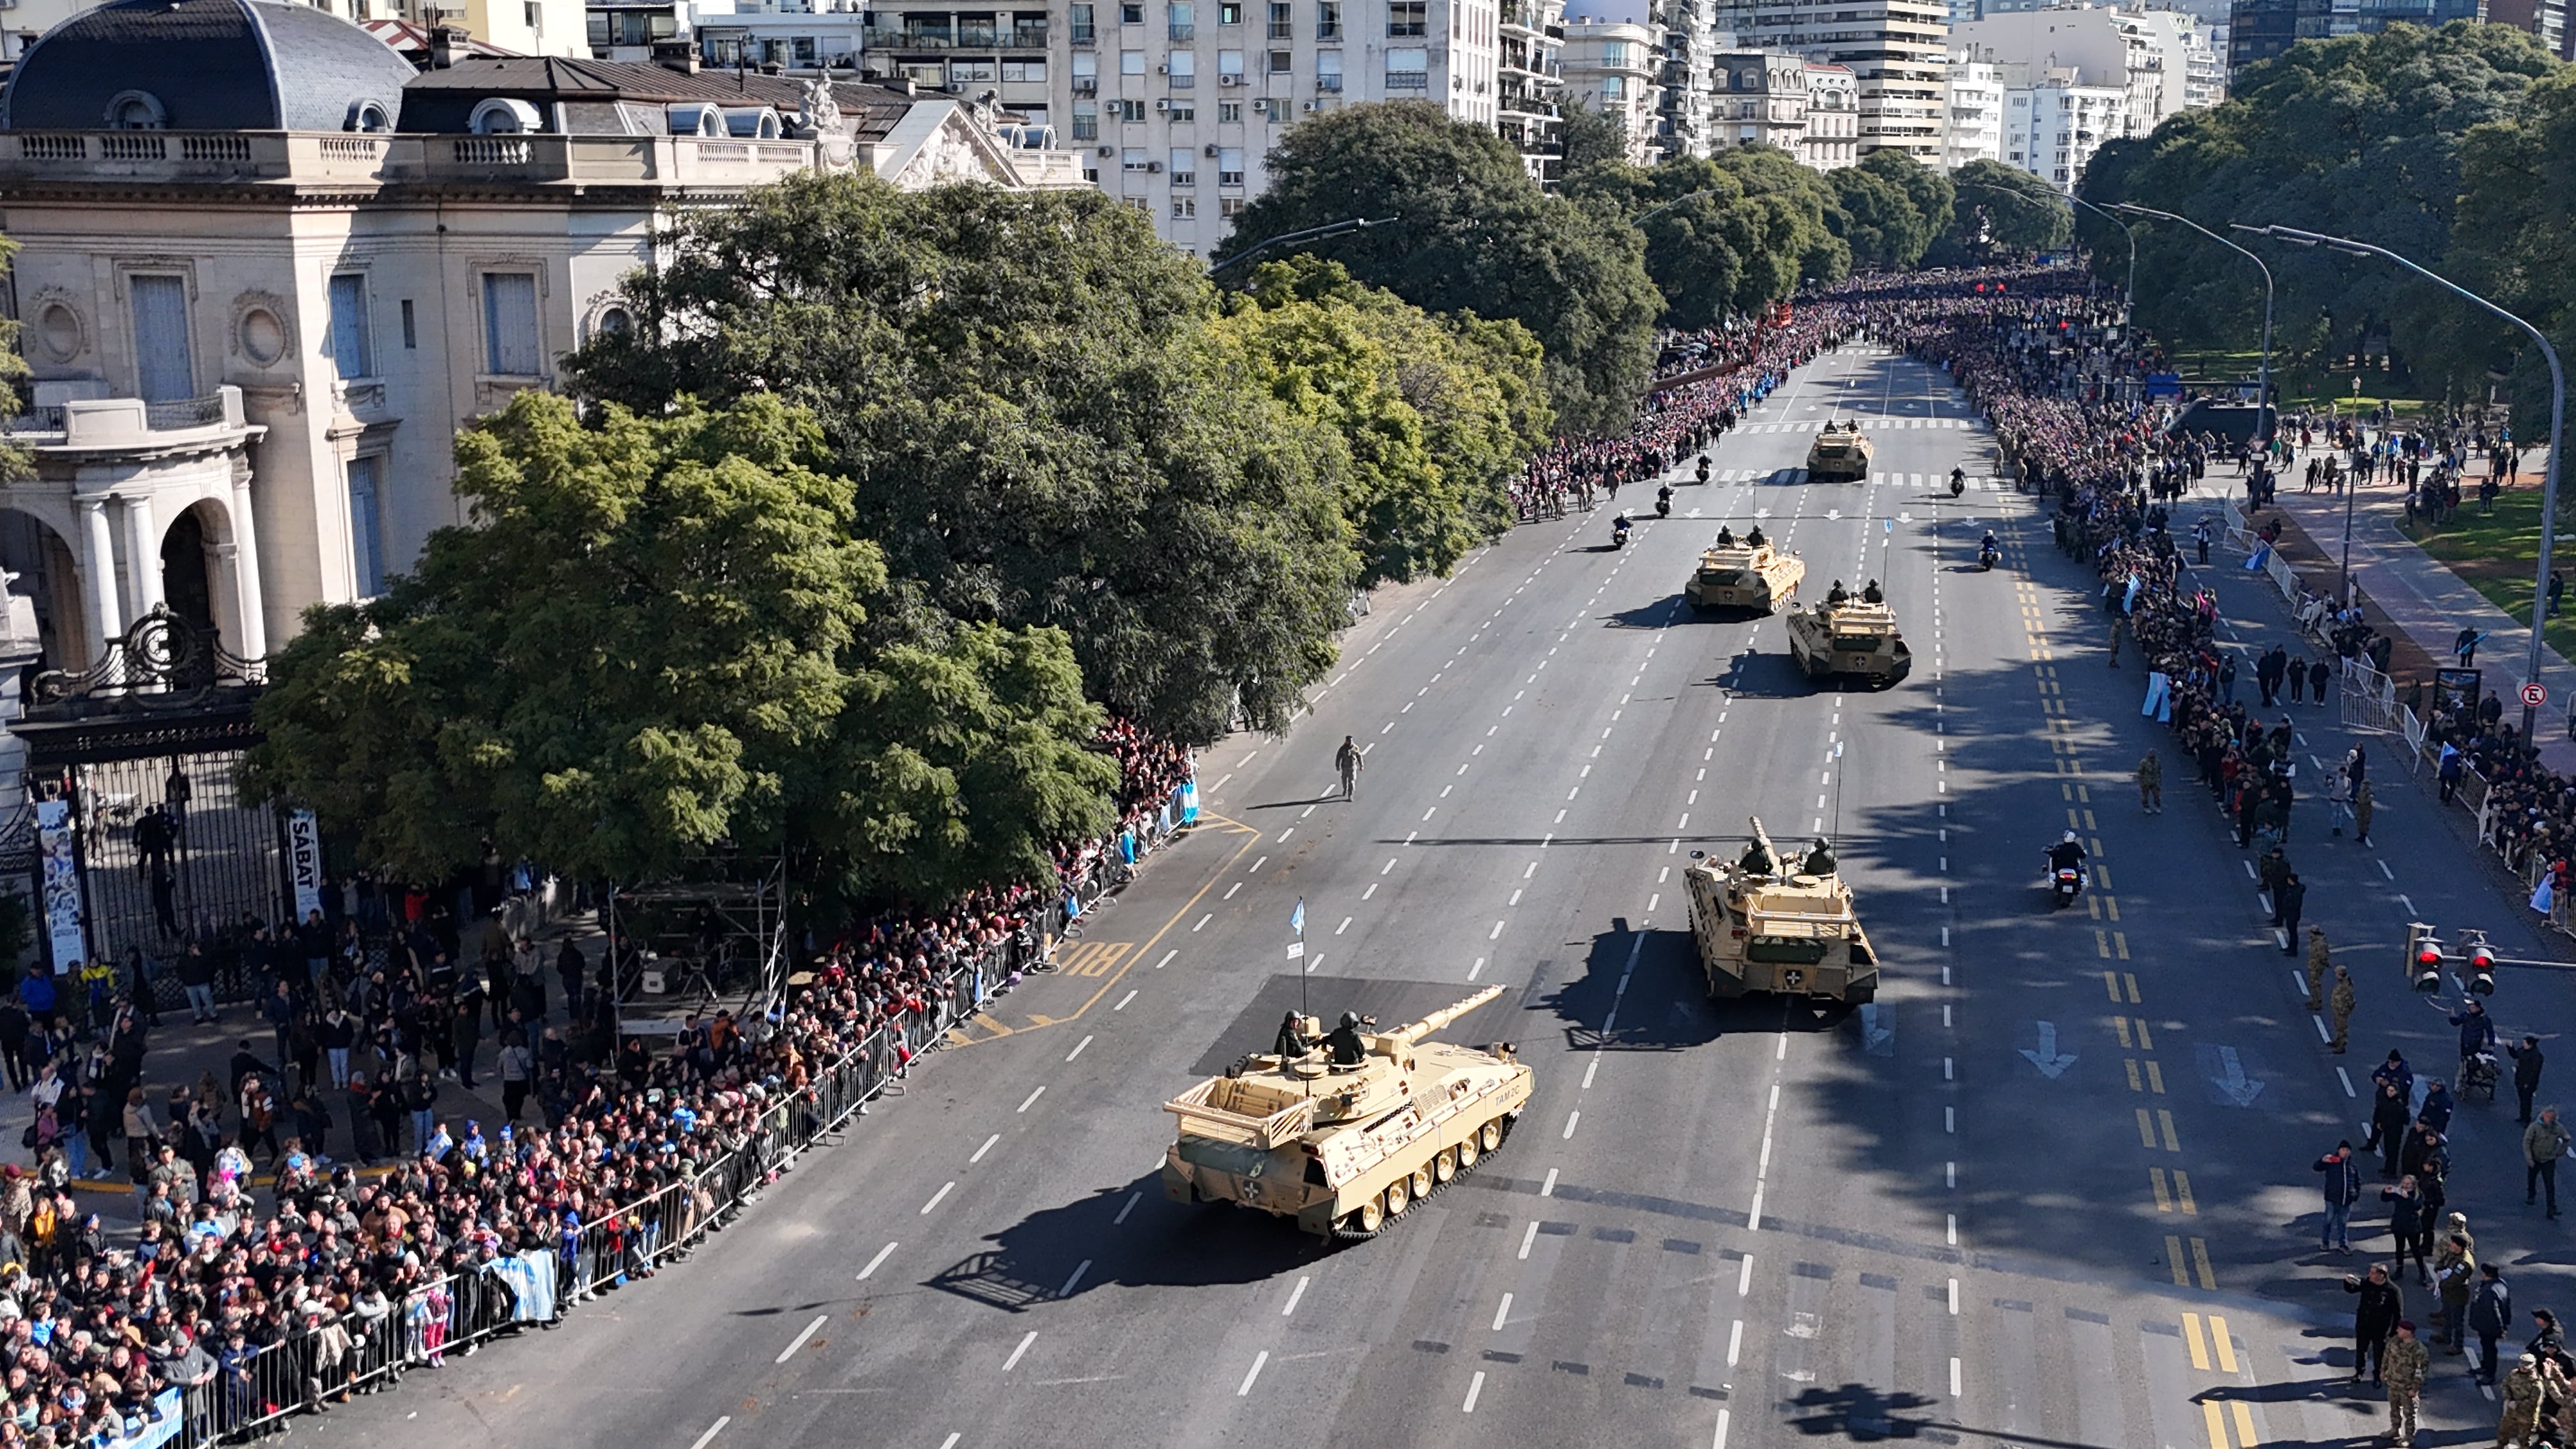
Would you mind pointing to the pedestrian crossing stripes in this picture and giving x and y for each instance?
(1883, 480)
(1867, 425)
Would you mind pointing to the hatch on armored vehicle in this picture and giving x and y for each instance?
(1766, 923)
(1746, 573)
(1346, 1131)
(1840, 454)
(1850, 635)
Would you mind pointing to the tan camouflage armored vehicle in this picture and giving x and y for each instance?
(1840, 454)
(1850, 635)
(1349, 1130)
(1784, 926)
(1745, 573)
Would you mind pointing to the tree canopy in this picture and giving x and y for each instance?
(1724, 235)
(1472, 232)
(1889, 209)
(654, 642)
(2360, 136)
(1434, 414)
(2006, 209)
(1039, 424)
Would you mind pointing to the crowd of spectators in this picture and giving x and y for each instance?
(255, 1294)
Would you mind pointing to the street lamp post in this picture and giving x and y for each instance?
(2129, 294)
(2557, 426)
(1312, 233)
(2263, 376)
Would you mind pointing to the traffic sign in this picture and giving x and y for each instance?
(2534, 695)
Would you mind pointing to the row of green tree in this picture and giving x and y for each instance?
(855, 539)
(2453, 147)
(1616, 249)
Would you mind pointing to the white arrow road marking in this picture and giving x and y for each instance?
(2050, 1064)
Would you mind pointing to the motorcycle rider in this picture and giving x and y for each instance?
(1988, 550)
(1619, 527)
(1664, 501)
(2066, 854)
(1958, 481)
(1703, 467)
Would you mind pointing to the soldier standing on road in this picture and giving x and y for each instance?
(2151, 784)
(2526, 1073)
(2361, 813)
(2339, 1007)
(2520, 1422)
(2406, 1367)
(2543, 1143)
(1347, 760)
(2320, 960)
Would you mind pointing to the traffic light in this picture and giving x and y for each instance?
(2423, 957)
(2480, 972)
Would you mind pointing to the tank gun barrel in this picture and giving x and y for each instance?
(1415, 1031)
(1763, 837)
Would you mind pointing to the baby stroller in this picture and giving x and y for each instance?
(2478, 1076)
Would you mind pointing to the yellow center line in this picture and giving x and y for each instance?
(2102, 944)
(2121, 1025)
(2111, 983)
(2146, 1043)
(2134, 1084)
(2156, 1079)
(2191, 1340)
(2101, 873)
(2128, 976)
(2173, 1255)
(2217, 1423)
(2190, 1208)
(2226, 1348)
(2244, 1424)
(2110, 905)
(2156, 1180)
(2120, 943)
(2200, 1260)
(2146, 1130)
(2164, 1119)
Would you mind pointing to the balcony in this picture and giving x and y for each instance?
(1029, 37)
(1408, 80)
(1328, 83)
(337, 159)
(1182, 32)
(978, 37)
(105, 423)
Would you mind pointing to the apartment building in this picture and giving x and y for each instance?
(1528, 81)
(1837, 128)
(2258, 30)
(1616, 68)
(1691, 40)
(519, 27)
(1761, 100)
(1975, 130)
(2054, 122)
(1896, 51)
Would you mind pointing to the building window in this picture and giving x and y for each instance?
(1229, 166)
(1229, 206)
(1328, 70)
(1180, 112)
(1131, 12)
(1184, 160)
(1078, 18)
(1023, 71)
(135, 111)
(1184, 208)
(1230, 13)
(1183, 21)
(1408, 69)
(366, 526)
(1283, 20)
(1184, 67)
(1130, 111)
(1139, 205)
(1229, 113)
(1086, 122)
(510, 324)
(411, 339)
(1407, 17)
(1328, 20)
(163, 372)
(1282, 62)
(1131, 62)
(1229, 63)
(1132, 159)
(352, 351)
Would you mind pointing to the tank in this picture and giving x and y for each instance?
(1744, 574)
(1766, 923)
(1854, 636)
(1349, 1132)
(1840, 453)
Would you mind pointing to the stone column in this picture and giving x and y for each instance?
(142, 553)
(247, 600)
(98, 569)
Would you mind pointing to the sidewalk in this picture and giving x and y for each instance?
(2422, 599)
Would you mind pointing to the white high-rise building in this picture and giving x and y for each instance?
(1976, 121)
(2054, 122)
(1832, 139)
(1896, 50)
(2161, 60)
(1615, 67)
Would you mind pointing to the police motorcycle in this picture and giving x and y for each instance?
(1988, 552)
(2066, 873)
(1619, 531)
(1958, 481)
(1664, 501)
(1703, 467)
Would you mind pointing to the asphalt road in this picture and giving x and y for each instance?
(2051, 1189)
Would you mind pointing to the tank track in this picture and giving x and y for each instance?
(1346, 1234)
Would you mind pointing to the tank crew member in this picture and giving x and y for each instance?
(1756, 859)
(1820, 858)
(1838, 595)
(1292, 1041)
(1344, 1042)
(1754, 539)
(1725, 537)
(1873, 594)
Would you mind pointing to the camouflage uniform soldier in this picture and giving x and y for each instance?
(2320, 959)
(2341, 1005)
(2151, 784)
(2405, 1370)
(2520, 1423)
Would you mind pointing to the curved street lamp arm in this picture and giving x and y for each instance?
(2263, 377)
(1312, 233)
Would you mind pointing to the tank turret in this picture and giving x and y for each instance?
(1349, 1132)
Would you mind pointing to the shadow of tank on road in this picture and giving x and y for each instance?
(1666, 1006)
(1163, 1245)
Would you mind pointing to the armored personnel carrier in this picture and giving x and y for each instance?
(1768, 923)
(1840, 454)
(1345, 1132)
(1745, 573)
(1850, 635)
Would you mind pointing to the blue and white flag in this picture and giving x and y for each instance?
(1297, 917)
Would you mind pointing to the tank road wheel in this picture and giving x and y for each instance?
(1421, 1182)
(1490, 1136)
(1468, 1152)
(1369, 1217)
(1445, 1166)
(1399, 1196)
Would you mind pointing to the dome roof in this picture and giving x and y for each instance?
(203, 65)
